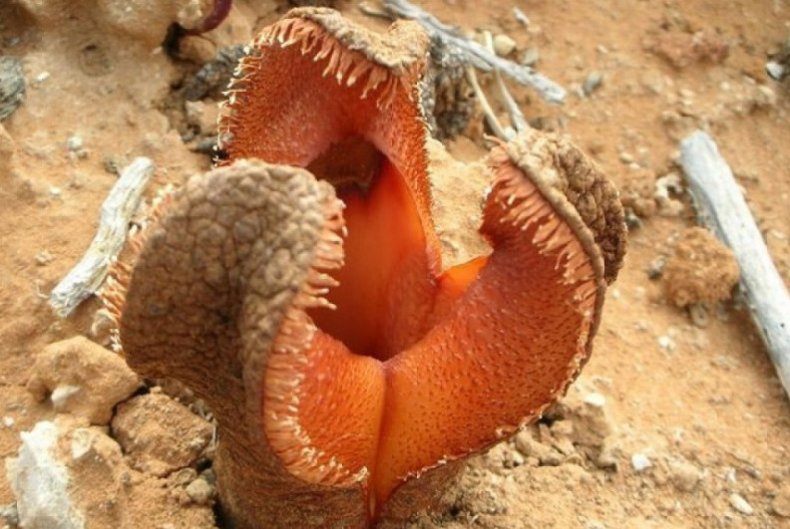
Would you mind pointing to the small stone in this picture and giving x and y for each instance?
(200, 492)
(640, 462)
(43, 258)
(684, 476)
(8, 422)
(592, 82)
(82, 378)
(740, 504)
(9, 514)
(775, 70)
(504, 45)
(765, 96)
(160, 435)
(700, 317)
(74, 143)
(596, 400)
(531, 57)
(40, 481)
(625, 157)
(781, 502)
(666, 343)
(61, 395)
(656, 267)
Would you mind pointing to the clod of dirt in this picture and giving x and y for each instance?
(12, 85)
(681, 49)
(67, 476)
(82, 378)
(700, 270)
(579, 431)
(457, 186)
(684, 476)
(638, 193)
(159, 435)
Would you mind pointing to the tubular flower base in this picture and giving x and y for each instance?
(303, 297)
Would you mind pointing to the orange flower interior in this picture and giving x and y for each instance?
(414, 365)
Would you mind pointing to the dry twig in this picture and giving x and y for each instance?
(476, 55)
(720, 205)
(116, 212)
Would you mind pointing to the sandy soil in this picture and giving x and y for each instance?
(674, 423)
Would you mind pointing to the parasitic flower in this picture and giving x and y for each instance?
(300, 289)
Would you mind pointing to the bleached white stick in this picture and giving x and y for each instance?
(116, 212)
(720, 205)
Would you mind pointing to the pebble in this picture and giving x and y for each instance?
(592, 82)
(740, 504)
(684, 476)
(656, 267)
(666, 343)
(74, 143)
(200, 491)
(61, 394)
(625, 157)
(700, 317)
(9, 514)
(775, 70)
(530, 57)
(82, 378)
(504, 45)
(765, 96)
(640, 462)
(43, 258)
(8, 422)
(596, 400)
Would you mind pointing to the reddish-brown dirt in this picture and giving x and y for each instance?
(674, 422)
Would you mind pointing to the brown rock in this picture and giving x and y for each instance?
(684, 476)
(82, 378)
(701, 270)
(160, 435)
(681, 49)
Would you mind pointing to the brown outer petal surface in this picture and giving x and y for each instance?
(209, 294)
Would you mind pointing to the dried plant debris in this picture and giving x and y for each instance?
(447, 98)
(12, 85)
(214, 76)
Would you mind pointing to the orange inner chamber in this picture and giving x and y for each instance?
(384, 253)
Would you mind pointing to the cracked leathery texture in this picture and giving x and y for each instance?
(553, 159)
(205, 301)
